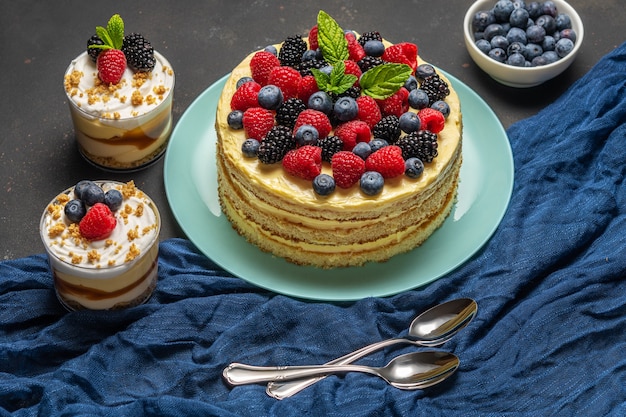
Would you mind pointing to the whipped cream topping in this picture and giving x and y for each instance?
(136, 94)
(136, 230)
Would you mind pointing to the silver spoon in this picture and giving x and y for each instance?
(410, 371)
(433, 327)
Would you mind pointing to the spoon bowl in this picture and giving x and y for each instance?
(410, 371)
(433, 327)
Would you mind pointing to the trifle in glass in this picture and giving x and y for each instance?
(102, 245)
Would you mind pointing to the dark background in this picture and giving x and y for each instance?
(203, 41)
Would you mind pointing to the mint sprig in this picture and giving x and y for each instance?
(337, 82)
(384, 80)
(112, 35)
(331, 39)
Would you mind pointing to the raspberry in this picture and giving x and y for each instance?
(257, 122)
(353, 68)
(304, 162)
(347, 168)
(369, 111)
(307, 87)
(287, 79)
(355, 50)
(315, 118)
(313, 38)
(352, 132)
(387, 161)
(402, 53)
(98, 223)
(246, 96)
(111, 65)
(395, 104)
(432, 120)
(261, 64)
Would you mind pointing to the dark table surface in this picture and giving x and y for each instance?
(203, 41)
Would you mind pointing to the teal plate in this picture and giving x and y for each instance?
(484, 192)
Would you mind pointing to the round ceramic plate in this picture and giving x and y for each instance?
(483, 196)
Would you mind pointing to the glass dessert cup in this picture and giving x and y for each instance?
(123, 143)
(98, 285)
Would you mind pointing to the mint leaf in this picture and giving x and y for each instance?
(321, 78)
(337, 82)
(331, 39)
(115, 28)
(384, 80)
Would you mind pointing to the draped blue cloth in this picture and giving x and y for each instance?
(549, 338)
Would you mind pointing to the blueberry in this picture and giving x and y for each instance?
(484, 45)
(535, 34)
(531, 51)
(493, 30)
(550, 56)
(418, 99)
(547, 22)
(243, 80)
(320, 101)
(519, 18)
(548, 44)
(502, 10)
(92, 194)
(549, 8)
(482, 19)
(534, 9)
(563, 47)
(75, 210)
(250, 148)
(413, 167)
(271, 49)
(362, 150)
(306, 135)
(499, 41)
(113, 198)
(309, 55)
(516, 59)
(424, 71)
(441, 106)
(498, 54)
(270, 97)
(378, 143)
(372, 182)
(327, 69)
(411, 83)
(539, 61)
(515, 47)
(409, 122)
(235, 119)
(563, 21)
(568, 34)
(516, 35)
(323, 184)
(374, 48)
(81, 186)
(345, 108)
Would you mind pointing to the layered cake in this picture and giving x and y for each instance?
(337, 149)
(101, 238)
(120, 99)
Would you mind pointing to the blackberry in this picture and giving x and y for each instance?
(436, 88)
(276, 144)
(421, 144)
(94, 52)
(289, 111)
(304, 67)
(388, 128)
(330, 145)
(369, 62)
(139, 52)
(291, 51)
(354, 92)
(369, 36)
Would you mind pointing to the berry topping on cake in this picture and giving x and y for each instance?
(111, 61)
(343, 100)
(98, 223)
(304, 162)
(139, 53)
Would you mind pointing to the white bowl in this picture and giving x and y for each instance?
(520, 77)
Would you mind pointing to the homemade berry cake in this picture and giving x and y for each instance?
(336, 149)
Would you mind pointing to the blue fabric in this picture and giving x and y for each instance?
(549, 338)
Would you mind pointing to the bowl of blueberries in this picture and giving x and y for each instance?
(522, 44)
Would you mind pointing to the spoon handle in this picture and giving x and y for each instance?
(241, 374)
(282, 390)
